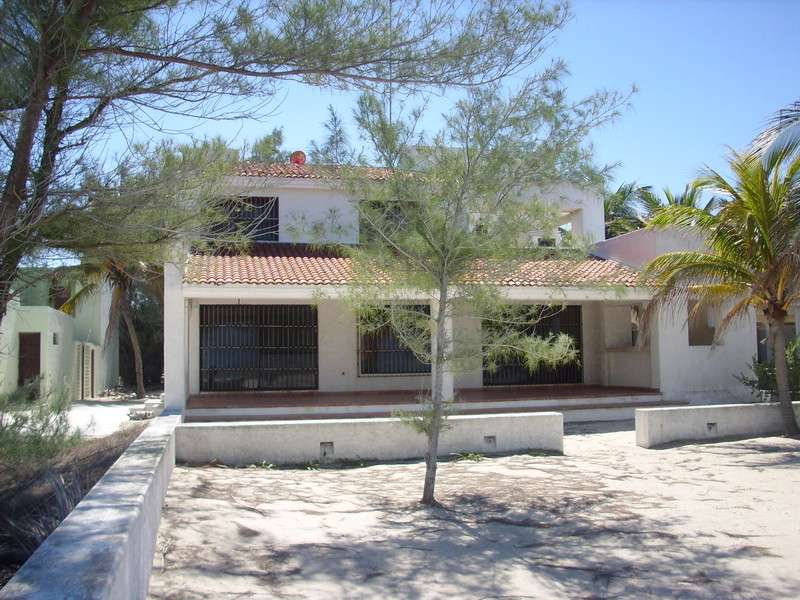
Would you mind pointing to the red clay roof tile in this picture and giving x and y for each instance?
(305, 171)
(298, 264)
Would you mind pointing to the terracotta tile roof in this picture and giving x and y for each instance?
(559, 272)
(305, 171)
(298, 264)
(270, 264)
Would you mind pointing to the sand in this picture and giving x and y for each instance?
(605, 520)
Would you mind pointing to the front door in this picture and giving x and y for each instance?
(30, 362)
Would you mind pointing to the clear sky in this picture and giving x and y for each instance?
(709, 74)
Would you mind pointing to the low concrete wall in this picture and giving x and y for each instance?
(283, 442)
(657, 426)
(104, 549)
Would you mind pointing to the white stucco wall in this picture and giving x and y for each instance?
(658, 426)
(702, 374)
(56, 358)
(177, 313)
(353, 439)
(585, 206)
(303, 204)
(9, 348)
(90, 323)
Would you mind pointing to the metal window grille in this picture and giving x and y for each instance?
(515, 372)
(251, 347)
(381, 352)
(262, 214)
(256, 216)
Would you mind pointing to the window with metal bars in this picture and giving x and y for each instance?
(382, 352)
(514, 371)
(251, 347)
(255, 216)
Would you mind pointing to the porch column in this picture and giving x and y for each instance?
(176, 359)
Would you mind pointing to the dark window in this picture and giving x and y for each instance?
(258, 347)
(701, 325)
(59, 295)
(257, 217)
(382, 352)
(380, 219)
(514, 371)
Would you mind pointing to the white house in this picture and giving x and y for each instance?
(37, 339)
(251, 331)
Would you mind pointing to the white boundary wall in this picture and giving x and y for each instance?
(658, 426)
(287, 442)
(104, 548)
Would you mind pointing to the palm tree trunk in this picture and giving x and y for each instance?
(137, 351)
(788, 417)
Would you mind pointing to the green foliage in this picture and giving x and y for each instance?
(335, 150)
(34, 425)
(538, 453)
(267, 149)
(473, 456)
(265, 465)
(623, 209)
(763, 376)
(422, 421)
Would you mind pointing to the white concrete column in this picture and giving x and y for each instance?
(448, 380)
(176, 363)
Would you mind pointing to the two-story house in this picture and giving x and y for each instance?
(251, 336)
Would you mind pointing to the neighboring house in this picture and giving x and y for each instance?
(257, 323)
(38, 339)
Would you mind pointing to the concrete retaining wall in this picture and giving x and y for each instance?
(657, 426)
(283, 442)
(104, 549)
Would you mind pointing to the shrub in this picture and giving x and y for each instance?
(762, 376)
(34, 425)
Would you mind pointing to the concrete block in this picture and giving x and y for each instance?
(658, 426)
(287, 442)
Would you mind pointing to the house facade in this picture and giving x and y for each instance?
(270, 321)
(37, 339)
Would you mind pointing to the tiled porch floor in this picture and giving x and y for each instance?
(464, 396)
(573, 399)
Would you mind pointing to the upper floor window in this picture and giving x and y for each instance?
(256, 217)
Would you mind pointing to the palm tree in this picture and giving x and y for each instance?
(751, 257)
(782, 135)
(692, 196)
(120, 279)
(622, 209)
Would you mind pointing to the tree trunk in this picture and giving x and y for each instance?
(790, 426)
(437, 400)
(137, 351)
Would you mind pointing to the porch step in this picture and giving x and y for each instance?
(576, 407)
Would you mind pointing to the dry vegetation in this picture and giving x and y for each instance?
(35, 499)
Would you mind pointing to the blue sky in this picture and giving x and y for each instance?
(709, 74)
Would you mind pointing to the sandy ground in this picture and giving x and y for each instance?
(606, 520)
(98, 417)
